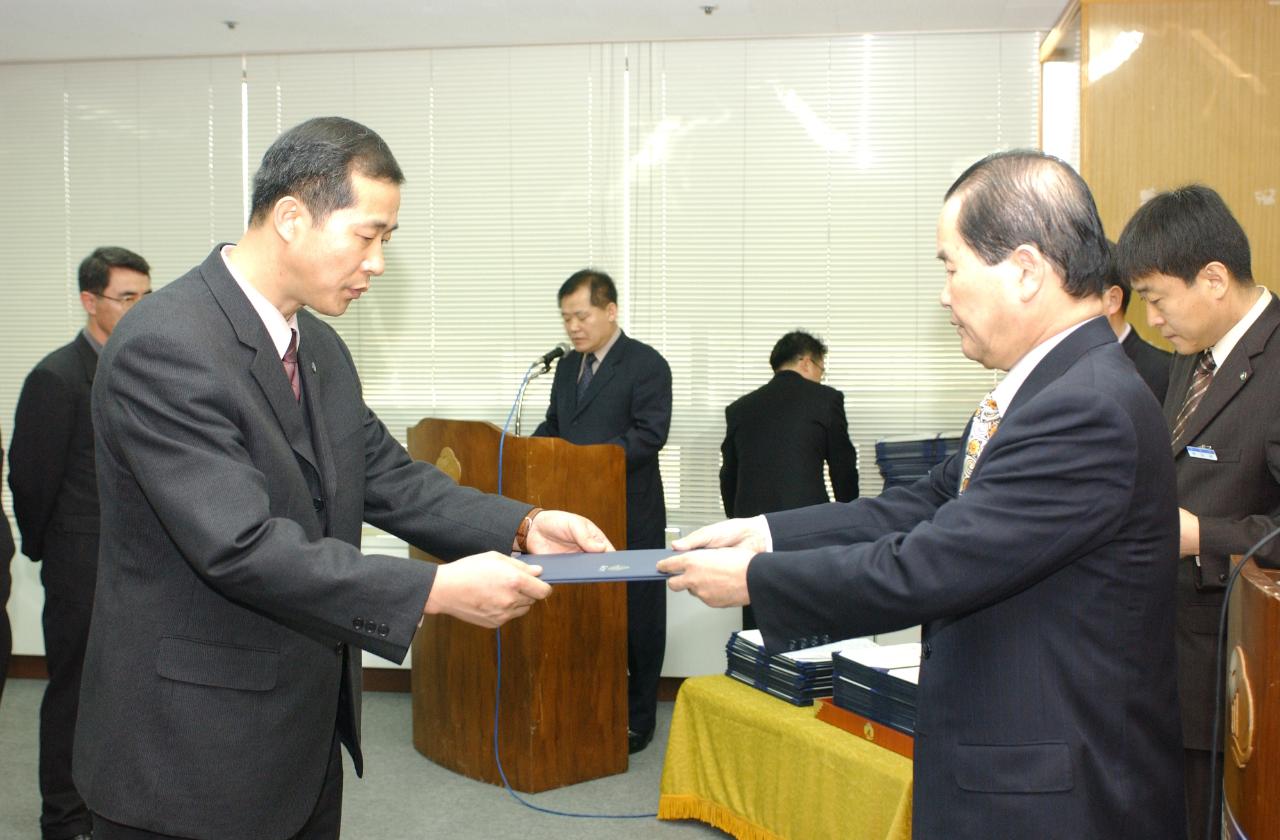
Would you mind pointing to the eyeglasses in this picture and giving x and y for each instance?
(126, 300)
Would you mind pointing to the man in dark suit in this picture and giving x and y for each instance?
(1152, 362)
(1188, 257)
(613, 389)
(778, 437)
(236, 461)
(55, 502)
(1037, 560)
(6, 586)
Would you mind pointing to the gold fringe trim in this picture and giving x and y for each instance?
(687, 807)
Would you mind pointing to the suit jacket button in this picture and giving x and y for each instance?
(927, 650)
(358, 624)
(318, 504)
(1222, 578)
(383, 629)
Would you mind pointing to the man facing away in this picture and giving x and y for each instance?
(1189, 259)
(778, 437)
(236, 462)
(55, 501)
(1037, 560)
(613, 389)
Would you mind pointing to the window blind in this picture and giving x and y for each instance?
(735, 189)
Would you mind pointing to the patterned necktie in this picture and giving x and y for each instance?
(986, 419)
(1200, 381)
(585, 379)
(290, 361)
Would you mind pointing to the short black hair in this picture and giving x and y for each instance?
(603, 292)
(1026, 197)
(794, 346)
(1181, 231)
(1115, 278)
(95, 269)
(313, 161)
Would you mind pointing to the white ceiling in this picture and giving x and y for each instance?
(44, 30)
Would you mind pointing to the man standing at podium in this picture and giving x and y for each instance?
(1188, 257)
(238, 461)
(1037, 560)
(613, 389)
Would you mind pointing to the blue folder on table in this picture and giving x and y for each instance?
(601, 567)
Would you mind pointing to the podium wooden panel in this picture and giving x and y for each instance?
(1251, 751)
(564, 676)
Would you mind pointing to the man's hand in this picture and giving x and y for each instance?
(560, 532)
(1188, 533)
(718, 578)
(750, 534)
(486, 589)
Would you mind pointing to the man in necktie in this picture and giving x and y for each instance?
(613, 389)
(221, 677)
(1188, 258)
(1037, 561)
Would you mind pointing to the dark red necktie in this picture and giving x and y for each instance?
(290, 361)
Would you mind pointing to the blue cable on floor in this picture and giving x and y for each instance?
(497, 691)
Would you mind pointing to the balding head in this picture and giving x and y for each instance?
(1026, 197)
(1024, 252)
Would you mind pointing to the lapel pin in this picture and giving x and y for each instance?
(313, 369)
(1244, 376)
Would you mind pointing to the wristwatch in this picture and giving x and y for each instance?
(522, 533)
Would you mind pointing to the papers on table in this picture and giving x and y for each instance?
(879, 684)
(797, 676)
(875, 681)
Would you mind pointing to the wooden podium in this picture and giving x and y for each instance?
(1251, 751)
(564, 675)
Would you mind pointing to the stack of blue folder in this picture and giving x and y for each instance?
(797, 676)
(879, 684)
(905, 461)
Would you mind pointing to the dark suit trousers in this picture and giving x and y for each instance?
(1196, 773)
(325, 822)
(68, 603)
(6, 632)
(646, 646)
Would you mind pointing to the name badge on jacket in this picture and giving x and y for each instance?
(1204, 453)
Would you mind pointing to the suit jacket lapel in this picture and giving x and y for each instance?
(603, 375)
(88, 357)
(313, 393)
(1233, 373)
(266, 368)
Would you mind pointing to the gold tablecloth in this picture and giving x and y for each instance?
(759, 768)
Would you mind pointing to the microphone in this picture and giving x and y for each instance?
(554, 353)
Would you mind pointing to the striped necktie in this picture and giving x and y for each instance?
(1200, 382)
(986, 419)
(585, 379)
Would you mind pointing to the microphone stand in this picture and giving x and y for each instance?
(529, 376)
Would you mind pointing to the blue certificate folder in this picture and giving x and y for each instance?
(601, 567)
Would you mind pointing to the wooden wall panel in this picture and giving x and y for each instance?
(1197, 101)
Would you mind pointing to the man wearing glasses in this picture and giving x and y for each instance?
(55, 501)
